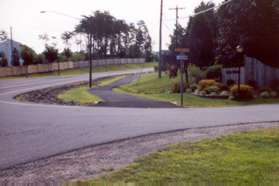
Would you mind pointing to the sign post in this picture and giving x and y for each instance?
(181, 58)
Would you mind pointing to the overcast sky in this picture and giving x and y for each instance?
(27, 21)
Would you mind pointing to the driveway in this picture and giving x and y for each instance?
(33, 131)
(113, 99)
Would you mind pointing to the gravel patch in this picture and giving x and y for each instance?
(99, 160)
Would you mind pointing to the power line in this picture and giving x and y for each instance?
(207, 10)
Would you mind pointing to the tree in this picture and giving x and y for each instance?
(67, 53)
(201, 32)
(3, 60)
(51, 54)
(113, 37)
(28, 55)
(15, 57)
(66, 37)
(253, 24)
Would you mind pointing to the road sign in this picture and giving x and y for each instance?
(181, 57)
(182, 50)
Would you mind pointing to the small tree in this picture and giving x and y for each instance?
(3, 60)
(15, 57)
(67, 53)
(51, 54)
(28, 55)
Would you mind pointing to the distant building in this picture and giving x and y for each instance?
(5, 47)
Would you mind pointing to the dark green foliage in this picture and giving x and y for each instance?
(39, 59)
(115, 38)
(252, 23)
(3, 60)
(51, 54)
(15, 58)
(28, 55)
(214, 72)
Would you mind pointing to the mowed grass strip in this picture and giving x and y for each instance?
(79, 95)
(150, 86)
(109, 81)
(247, 158)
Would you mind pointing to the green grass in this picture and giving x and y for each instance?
(79, 95)
(109, 81)
(81, 71)
(149, 86)
(247, 158)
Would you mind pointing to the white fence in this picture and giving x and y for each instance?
(44, 68)
(253, 70)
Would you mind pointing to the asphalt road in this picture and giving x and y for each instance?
(32, 131)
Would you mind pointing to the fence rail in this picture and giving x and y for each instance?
(44, 68)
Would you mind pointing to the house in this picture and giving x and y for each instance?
(5, 47)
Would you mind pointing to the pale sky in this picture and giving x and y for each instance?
(27, 21)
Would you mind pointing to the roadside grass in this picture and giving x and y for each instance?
(150, 86)
(81, 71)
(247, 158)
(79, 95)
(109, 81)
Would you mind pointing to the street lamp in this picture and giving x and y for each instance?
(240, 59)
(90, 42)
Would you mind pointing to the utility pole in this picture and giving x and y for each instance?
(90, 61)
(160, 40)
(181, 61)
(11, 43)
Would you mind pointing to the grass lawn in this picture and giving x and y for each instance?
(86, 70)
(79, 95)
(247, 158)
(149, 86)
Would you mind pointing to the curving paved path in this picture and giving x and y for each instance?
(33, 131)
(113, 99)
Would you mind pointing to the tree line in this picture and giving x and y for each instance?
(112, 37)
(213, 36)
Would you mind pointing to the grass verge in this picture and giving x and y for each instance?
(247, 158)
(81, 71)
(79, 95)
(149, 86)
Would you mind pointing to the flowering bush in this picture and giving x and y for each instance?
(246, 92)
(203, 84)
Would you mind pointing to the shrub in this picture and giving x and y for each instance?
(194, 87)
(214, 72)
(206, 83)
(195, 74)
(245, 92)
(230, 83)
(28, 55)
